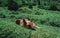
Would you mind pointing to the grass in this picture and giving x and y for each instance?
(11, 29)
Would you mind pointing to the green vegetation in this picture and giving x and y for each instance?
(44, 13)
(9, 29)
(44, 4)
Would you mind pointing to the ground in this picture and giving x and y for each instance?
(40, 17)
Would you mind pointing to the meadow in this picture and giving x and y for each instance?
(44, 13)
(48, 20)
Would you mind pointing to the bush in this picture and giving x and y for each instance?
(12, 5)
(30, 6)
(53, 7)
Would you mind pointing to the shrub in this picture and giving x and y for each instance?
(12, 5)
(53, 7)
(30, 6)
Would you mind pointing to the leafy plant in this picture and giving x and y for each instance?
(12, 5)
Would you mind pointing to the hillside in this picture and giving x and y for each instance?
(48, 20)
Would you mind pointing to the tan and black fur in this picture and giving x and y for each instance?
(26, 23)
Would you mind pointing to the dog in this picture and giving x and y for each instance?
(26, 23)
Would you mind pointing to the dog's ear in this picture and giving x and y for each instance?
(18, 21)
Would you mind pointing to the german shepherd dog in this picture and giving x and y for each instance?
(26, 23)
